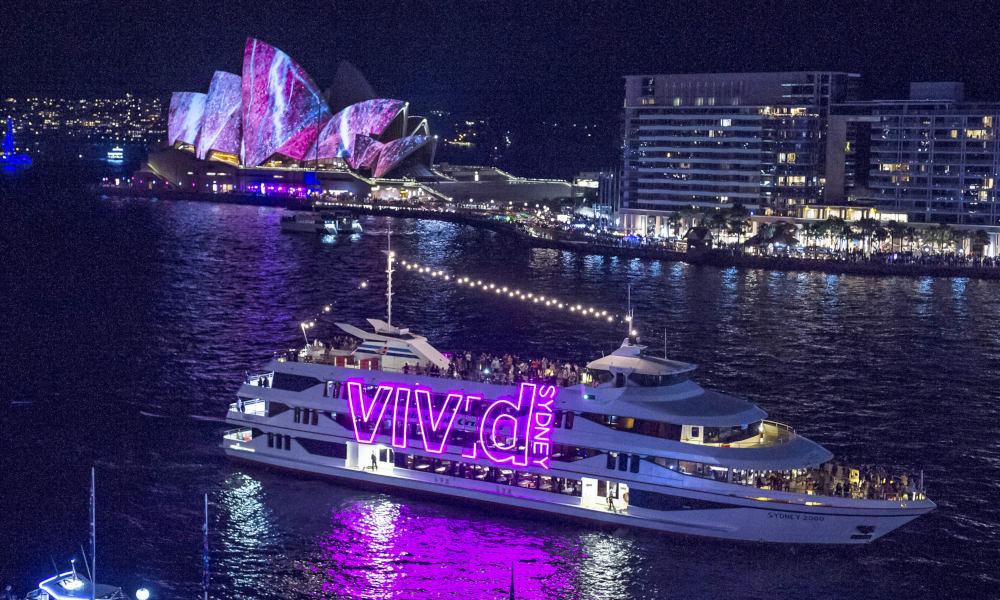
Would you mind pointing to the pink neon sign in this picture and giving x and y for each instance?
(527, 421)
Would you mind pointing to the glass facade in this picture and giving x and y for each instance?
(935, 161)
(718, 139)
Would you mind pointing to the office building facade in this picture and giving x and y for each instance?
(714, 140)
(934, 156)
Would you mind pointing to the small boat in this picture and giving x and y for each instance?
(346, 222)
(72, 585)
(307, 222)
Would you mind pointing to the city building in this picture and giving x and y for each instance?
(55, 128)
(719, 139)
(934, 156)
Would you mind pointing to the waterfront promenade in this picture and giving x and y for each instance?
(876, 265)
(607, 245)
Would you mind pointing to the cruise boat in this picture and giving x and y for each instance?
(632, 441)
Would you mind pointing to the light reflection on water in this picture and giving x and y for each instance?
(387, 548)
(247, 535)
(895, 370)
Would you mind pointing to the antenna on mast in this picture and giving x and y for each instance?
(390, 258)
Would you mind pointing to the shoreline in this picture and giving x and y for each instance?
(722, 258)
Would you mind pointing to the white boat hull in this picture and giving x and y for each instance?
(778, 524)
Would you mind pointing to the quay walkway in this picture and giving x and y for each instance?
(555, 239)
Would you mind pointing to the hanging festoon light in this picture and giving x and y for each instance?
(504, 291)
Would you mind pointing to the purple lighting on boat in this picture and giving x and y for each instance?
(529, 419)
(430, 425)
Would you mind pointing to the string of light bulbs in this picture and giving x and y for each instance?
(511, 292)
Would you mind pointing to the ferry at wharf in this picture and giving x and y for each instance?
(629, 440)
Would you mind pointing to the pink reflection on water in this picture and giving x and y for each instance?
(383, 549)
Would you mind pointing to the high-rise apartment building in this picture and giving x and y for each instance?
(757, 139)
(934, 156)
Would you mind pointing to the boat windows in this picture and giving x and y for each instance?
(270, 440)
(645, 380)
(288, 442)
(623, 462)
(315, 417)
(569, 420)
(557, 419)
(658, 429)
(727, 435)
(323, 448)
(564, 453)
(292, 382)
(276, 408)
(612, 459)
(634, 464)
(598, 377)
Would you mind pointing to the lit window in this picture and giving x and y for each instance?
(677, 101)
(726, 122)
(699, 101)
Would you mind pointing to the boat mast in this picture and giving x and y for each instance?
(93, 538)
(390, 258)
(206, 573)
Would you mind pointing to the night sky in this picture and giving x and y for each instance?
(540, 58)
(520, 62)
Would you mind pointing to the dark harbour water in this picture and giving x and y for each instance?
(128, 325)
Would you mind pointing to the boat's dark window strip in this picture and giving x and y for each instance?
(292, 382)
(659, 429)
(322, 448)
(657, 380)
(276, 408)
(656, 501)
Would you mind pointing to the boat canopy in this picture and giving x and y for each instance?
(686, 403)
(709, 409)
(643, 365)
(395, 345)
(629, 358)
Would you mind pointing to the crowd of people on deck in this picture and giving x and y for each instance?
(835, 479)
(503, 369)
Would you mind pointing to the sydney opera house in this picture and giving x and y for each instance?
(271, 128)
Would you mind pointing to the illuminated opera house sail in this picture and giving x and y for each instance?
(274, 115)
